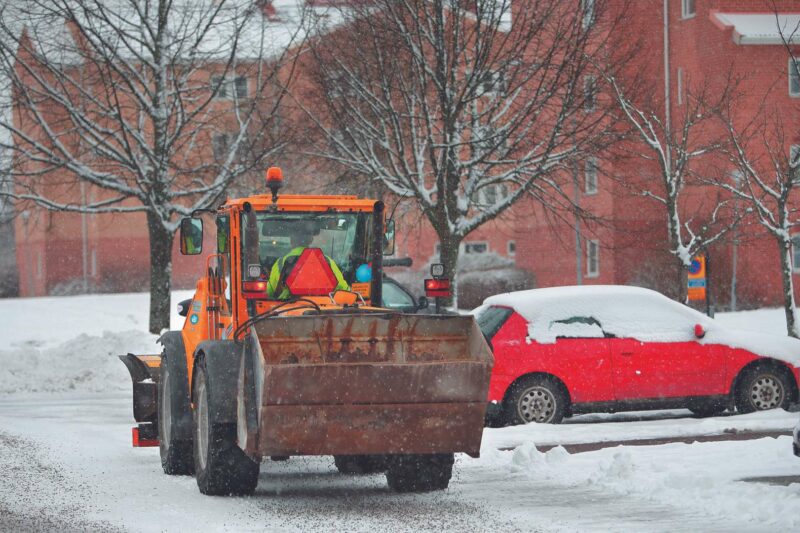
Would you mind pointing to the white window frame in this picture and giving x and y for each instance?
(590, 173)
(589, 94)
(592, 247)
(492, 84)
(794, 67)
(795, 251)
(511, 247)
(470, 244)
(688, 9)
(229, 87)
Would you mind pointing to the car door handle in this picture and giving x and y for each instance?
(626, 354)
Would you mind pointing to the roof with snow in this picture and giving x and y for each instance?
(761, 28)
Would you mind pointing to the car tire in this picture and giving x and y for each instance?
(541, 399)
(221, 467)
(762, 387)
(173, 403)
(419, 473)
(360, 464)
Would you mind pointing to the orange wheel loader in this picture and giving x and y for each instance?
(286, 351)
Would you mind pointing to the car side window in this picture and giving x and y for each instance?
(491, 319)
(396, 298)
(577, 327)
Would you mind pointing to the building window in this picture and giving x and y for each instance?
(687, 8)
(491, 195)
(229, 87)
(492, 84)
(512, 247)
(588, 8)
(476, 247)
(680, 86)
(589, 93)
(796, 252)
(592, 259)
(220, 143)
(794, 77)
(590, 176)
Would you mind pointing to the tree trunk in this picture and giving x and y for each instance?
(449, 258)
(160, 273)
(785, 248)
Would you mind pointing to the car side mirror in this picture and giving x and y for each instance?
(699, 331)
(191, 236)
(183, 307)
(388, 238)
(422, 303)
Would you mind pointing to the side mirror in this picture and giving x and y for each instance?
(191, 236)
(699, 331)
(388, 238)
(183, 307)
(422, 303)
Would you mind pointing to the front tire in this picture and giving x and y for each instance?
(762, 387)
(221, 467)
(173, 403)
(540, 399)
(359, 464)
(419, 473)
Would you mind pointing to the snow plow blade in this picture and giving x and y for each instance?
(144, 371)
(363, 384)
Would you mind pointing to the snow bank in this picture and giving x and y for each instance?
(84, 363)
(705, 479)
(630, 312)
(70, 343)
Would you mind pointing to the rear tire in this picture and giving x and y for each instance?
(762, 387)
(540, 399)
(419, 473)
(173, 402)
(359, 464)
(221, 467)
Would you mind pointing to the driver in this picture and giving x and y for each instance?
(276, 288)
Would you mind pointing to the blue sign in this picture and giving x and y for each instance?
(194, 319)
(697, 283)
(695, 267)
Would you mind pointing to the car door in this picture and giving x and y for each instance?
(664, 359)
(581, 357)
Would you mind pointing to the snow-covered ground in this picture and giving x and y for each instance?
(66, 460)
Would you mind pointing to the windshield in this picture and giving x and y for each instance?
(341, 236)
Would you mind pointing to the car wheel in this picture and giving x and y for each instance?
(540, 399)
(762, 387)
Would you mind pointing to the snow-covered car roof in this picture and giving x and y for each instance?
(629, 312)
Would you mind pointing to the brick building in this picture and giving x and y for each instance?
(703, 40)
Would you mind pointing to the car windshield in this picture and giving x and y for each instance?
(341, 237)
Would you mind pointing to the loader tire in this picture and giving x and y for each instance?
(360, 464)
(419, 473)
(221, 467)
(173, 403)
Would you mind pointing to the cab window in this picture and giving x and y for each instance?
(577, 327)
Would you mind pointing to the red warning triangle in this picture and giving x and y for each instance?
(311, 275)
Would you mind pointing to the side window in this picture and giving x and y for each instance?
(577, 327)
(223, 248)
(491, 319)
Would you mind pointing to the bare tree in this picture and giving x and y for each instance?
(461, 105)
(160, 105)
(673, 146)
(769, 173)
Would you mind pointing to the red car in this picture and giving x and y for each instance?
(569, 350)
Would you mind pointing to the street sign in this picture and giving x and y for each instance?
(697, 279)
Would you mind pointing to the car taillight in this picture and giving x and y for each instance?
(252, 290)
(437, 288)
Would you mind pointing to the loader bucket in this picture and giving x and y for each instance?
(353, 384)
